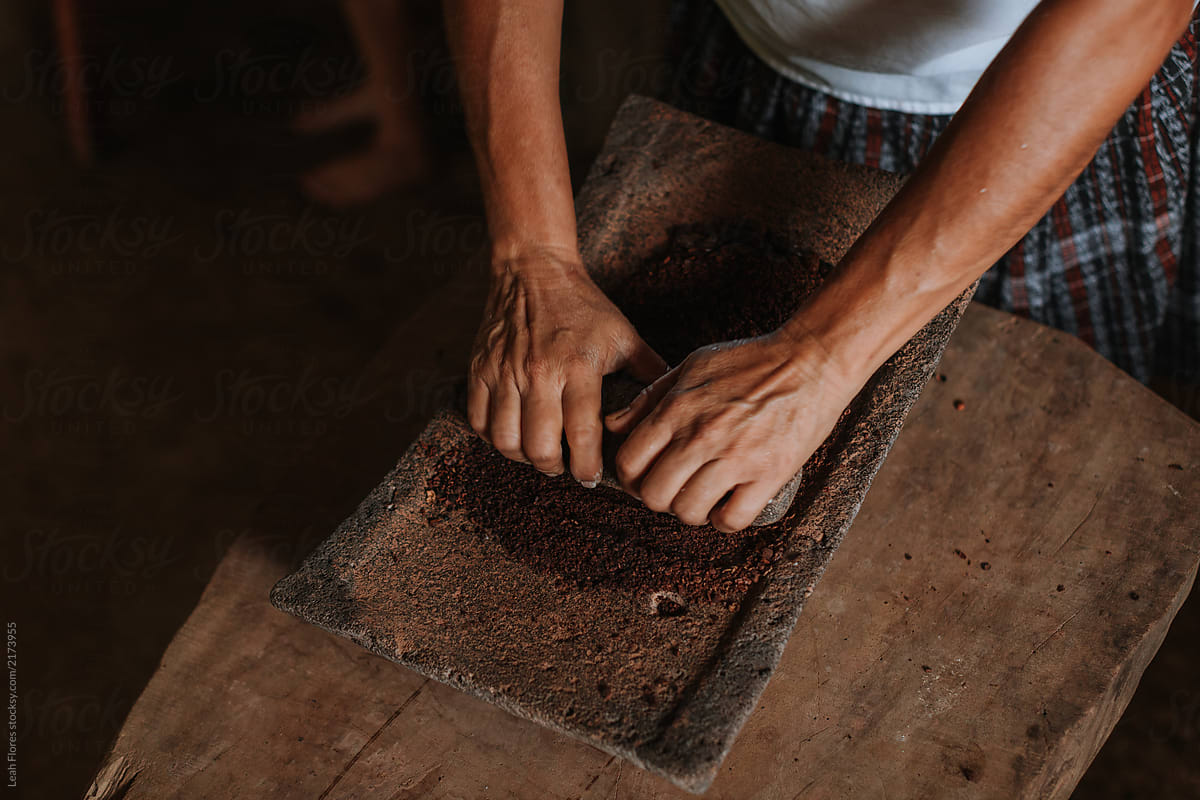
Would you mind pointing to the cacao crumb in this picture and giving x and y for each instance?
(710, 283)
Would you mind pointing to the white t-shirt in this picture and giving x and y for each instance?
(919, 56)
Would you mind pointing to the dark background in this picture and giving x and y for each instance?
(183, 338)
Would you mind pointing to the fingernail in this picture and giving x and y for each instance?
(588, 484)
(620, 413)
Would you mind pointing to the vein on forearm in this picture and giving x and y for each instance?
(507, 54)
(1031, 125)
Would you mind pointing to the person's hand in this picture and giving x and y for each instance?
(547, 338)
(737, 418)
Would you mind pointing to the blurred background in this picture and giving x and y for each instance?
(207, 241)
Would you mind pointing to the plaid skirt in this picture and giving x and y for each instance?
(1114, 262)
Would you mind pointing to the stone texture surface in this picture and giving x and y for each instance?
(413, 583)
(985, 621)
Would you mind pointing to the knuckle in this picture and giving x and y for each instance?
(503, 372)
(537, 368)
(582, 429)
(579, 362)
(702, 433)
(732, 521)
(688, 516)
(655, 500)
(625, 466)
(672, 406)
(542, 456)
(507, 443)
(478, 421)
(725, 415)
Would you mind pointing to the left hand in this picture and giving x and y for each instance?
(738, 418)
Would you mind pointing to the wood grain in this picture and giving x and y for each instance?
(408, 577)
(1013, 571)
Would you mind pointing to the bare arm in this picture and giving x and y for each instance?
(506, 55)
(1031, 125)
(705, 439)
(548, 334)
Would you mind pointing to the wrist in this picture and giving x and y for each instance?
(536, 258)
(510, 245)
(835, 362)
(536, 227)
(857, 319)
(888, 285)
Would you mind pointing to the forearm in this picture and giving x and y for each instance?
(507, 54)
(1028, 129)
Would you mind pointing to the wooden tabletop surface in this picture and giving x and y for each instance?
(1013, 570)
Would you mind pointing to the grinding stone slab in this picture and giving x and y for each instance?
(416, 585)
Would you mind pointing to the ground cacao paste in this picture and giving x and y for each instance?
(710, 283)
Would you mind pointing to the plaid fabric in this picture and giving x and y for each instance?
(1114, 262)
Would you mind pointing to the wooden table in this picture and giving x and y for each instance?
(1011, 574)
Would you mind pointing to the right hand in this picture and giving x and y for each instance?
(548, 337)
